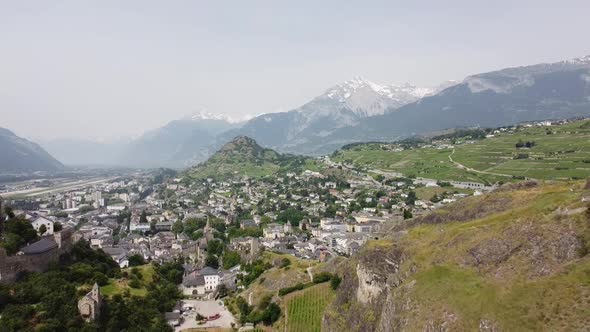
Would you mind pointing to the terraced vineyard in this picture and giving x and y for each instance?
(305, 308)
(559, 153)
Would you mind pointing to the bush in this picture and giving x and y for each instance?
(287, 290)
(136, 260)
(285, 262)
(322, 277)
(335, 282)
(134, 283)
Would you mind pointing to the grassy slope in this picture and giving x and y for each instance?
(118, 286)
(276, 278)
(507, 259)
(513, 293)
(556, 156)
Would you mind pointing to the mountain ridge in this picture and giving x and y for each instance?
(20, 155)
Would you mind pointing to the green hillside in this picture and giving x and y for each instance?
(513, 260)
(559, 153)
(243, 156)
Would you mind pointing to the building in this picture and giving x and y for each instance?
(89, 306)
(42, 221)
(273, 231)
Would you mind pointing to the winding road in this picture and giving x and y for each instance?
(461, 166)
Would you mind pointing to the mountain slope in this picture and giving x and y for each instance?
(513, 260)
(243, 156)
(180, 143)
(21, 156)
(545, 91)
(340, 106)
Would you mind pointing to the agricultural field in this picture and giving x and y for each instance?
(305, 309)
(559, 153)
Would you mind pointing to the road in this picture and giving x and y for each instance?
(461, 166)
(58, 187)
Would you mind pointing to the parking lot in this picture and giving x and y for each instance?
(205, 308)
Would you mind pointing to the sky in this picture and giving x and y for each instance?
(104, 69)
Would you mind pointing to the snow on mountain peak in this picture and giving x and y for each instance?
(367, 98)
(579, 61)
(347, 89)
(205, 115)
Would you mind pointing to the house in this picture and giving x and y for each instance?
(119, 255)
(201, 282)
(273, 231)
(89, 306)
(42, 221)
(211, 277)
(193, 285)
(247, 223)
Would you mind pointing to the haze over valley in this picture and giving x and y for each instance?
(300, 167)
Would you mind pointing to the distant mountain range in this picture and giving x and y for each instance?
(359, 110)
(18, 155)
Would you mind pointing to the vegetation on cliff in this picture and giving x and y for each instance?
(515, 259)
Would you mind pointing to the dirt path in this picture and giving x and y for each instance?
(310, 274)
(461, 166)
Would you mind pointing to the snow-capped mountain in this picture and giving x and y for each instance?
(205, 115)
(558, 90)
(366, 98)
(342, 105)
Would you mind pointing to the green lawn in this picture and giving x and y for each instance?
(118, 286)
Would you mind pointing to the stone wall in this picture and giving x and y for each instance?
(12, 267)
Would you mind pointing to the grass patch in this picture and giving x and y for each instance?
(120, 285)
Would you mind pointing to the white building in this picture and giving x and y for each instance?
(42, 221)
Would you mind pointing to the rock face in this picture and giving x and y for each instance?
(470, 267)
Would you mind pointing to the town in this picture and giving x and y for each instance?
(215, 225)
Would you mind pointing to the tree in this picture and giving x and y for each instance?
(215, 247)
(177, 228)
(136, 260)
(271, 314)
(57, 226)
(411, 199)
(42, 229)
(143, 217)
(212, 261)
(408, 214)
(231, 259)
(9, 212)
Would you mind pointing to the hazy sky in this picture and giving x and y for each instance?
(115, 68)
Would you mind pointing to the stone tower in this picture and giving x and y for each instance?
(89, 306)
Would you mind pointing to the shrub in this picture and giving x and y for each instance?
(335, 282)
(287, 290)
(322, 277)
(285, 262)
